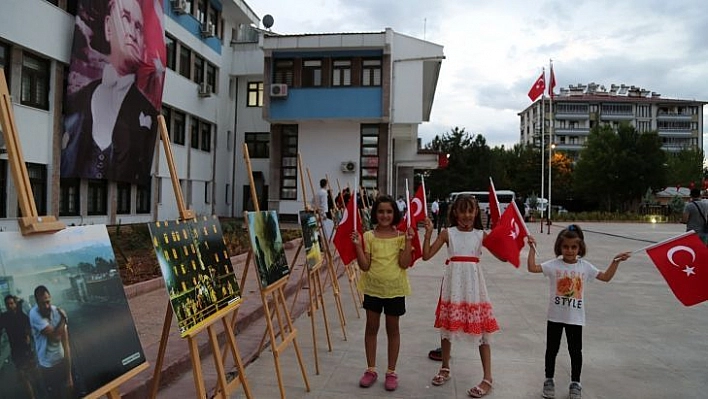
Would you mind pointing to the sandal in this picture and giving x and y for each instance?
(478, 391)
(441, 377)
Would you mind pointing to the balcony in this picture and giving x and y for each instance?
(571, 131)
(674, 116)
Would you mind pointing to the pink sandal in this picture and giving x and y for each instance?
(441, 377)
(478, 391)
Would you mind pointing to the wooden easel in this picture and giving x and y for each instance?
(224, 388)
(331, 271)
(30, 222)
(276, 293)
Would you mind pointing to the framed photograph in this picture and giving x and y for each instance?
(68, 280)
(267, 245)
(310, 238)
(198, 273)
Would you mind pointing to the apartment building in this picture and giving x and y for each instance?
(225, 87)
(579, 108)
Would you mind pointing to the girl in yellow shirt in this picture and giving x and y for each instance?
(384, 257)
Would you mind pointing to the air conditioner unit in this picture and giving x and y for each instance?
(278, 90)
(208, 29)
(179, 6)
(205, 90)
(349, 167)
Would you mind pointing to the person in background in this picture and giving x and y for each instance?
(435, 211)
(17, 326)
(695, 215)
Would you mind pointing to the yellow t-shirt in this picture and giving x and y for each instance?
(384, 279)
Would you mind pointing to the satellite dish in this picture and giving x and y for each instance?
(268, 21)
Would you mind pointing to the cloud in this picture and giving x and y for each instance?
(495, 50)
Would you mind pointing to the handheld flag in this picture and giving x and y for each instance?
(538, 87)
(683, 262)
(506, 240)
(418, 207)
(342, 237)
(414, 214)
(494, 210)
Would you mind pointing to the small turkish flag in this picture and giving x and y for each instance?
(507, 238)
(683, 262)
(342, 236)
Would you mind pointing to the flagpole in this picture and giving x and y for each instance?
(425, 196)
(550, 149)
(353, 198)
(656, 244)
(543, 139)
(408, 206)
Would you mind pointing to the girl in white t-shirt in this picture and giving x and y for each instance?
(566, 309)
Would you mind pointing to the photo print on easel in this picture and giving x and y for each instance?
(75, 276)
(267, 245)
(310, 238)
(197, 269)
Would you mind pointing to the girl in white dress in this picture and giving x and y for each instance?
(464, 310)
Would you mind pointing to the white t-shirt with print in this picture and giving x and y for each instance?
(567, 283)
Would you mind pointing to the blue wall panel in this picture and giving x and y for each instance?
(327, 103)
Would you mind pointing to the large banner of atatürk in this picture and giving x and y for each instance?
(114, 90)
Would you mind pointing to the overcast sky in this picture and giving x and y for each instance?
(495, 50)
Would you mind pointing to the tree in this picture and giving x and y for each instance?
(615, 169)
(684, 167)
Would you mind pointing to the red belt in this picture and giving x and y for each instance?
(462, 259)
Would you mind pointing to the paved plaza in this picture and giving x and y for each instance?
(639, 341)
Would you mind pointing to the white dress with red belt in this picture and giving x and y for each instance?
(464, 308)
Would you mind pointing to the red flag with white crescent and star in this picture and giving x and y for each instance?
(683, 262)
(538, 87)
(342, 236)
(417, 212)
(507, 238)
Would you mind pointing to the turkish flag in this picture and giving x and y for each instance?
(417, 213)
(342, 237)
(507, 238)
(494, 210)
(552, 84)
(538, 88)
(683, 262)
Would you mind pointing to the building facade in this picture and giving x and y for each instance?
(217, 100)
(579, 108)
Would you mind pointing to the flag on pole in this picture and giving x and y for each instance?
(506, 240)
(342, 237)
(552, 84)
(416, 214)
(683, 262)
(538, 87)
(494, 210)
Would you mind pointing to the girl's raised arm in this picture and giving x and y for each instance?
(531, 262)
(428, 250)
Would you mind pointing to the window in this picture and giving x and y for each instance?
(341, 73)
(369, 156)
(178, 133)
(5, 61)
(38, 181)
(171, 46)
(185, 62)
(312, 73)
(258, 145)
(123, 201)
(3, 188)
(254, 94)
(69, 197)
(198, 69)
(211, 77)
(207, 192)
(288, 163)
(205, 136)
(283, 72)
(97, 197)
(194, 137)
(35, 82)
(167, 114)
(371, 72)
